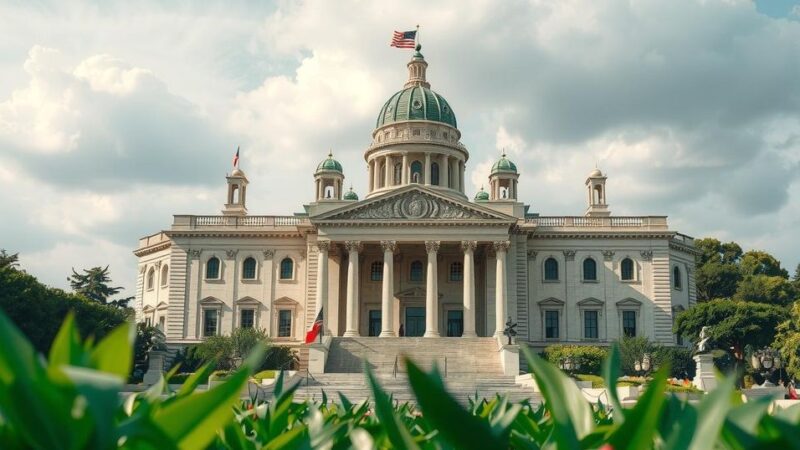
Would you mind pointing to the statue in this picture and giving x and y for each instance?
(510, 330)
(704, 346)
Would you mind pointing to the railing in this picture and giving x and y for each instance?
(394, 370)
(445, 366)
(238, 221)
(658, 222)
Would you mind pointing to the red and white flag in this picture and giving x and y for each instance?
(404, 39)
(236, 158)
(316, 329)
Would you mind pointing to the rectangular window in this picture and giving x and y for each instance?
(374, 322)
(210, 320)
(285, 323)
(455, 323)
(248, 318)
(551, 324)
(629, 323)
(376, 271)
(162, 323)
(456, 271)
(590, 330)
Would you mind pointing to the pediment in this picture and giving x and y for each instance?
(248, 301)
(591, 301)
(414, 204)
(286, 301)
(551, 302)
(629, 302)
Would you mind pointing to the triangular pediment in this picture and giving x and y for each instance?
(414, 203)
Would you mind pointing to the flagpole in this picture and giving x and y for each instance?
(417, 45)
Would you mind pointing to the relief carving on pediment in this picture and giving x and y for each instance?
(413, 206)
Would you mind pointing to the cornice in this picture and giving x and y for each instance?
(152, 249)
(233, 233)
(685, 248)
(603, 235)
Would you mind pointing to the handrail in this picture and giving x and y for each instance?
(394, 370)
(445, 366)
(308, 375)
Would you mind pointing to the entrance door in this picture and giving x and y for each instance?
(374, 322)
(455, 323)
(415, 321)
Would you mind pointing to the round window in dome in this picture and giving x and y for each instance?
(416, 104)
(445, 109)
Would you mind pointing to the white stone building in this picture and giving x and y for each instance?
(416, 254)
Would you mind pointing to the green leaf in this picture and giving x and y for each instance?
(194, 380)
(114, 354)
(66, 349)
(395, 430)
(701, 431)
(611, 372)
(571, 413)
(193, 420)
(639, 430)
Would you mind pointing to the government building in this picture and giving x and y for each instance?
(417, 256)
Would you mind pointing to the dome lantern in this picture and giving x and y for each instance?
(329, 178)
(503, 180)
(482, 196)
(350, 195)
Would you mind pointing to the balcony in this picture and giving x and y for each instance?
(570, 223)
(183, 223)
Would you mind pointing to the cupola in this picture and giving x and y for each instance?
(503, 180)
(328, 179)
(596, 190)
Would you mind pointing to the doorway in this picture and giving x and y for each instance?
(374, 322)
(455, 323)
(415, 321)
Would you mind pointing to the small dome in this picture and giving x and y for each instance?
(237, 173)
(350, 195)
(595, 173)
(504, 165)
(330, 164)
(482, 196)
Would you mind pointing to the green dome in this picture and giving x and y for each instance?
(504, 165)
(416, 103)
(350, 195)
(482, 196)
(330, 164)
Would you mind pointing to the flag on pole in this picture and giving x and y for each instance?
(404, 39)
(236, 158)
(315, 330)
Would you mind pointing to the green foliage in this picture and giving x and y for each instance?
(716, 280)
(787, 341)
(39, 310)
(756, 262)
(188, 359)
(219, 349)
(589, 358)
(94, 284)
(264, 374)
(765, 289)
(679, 360)
(226, 351)
(147, 338)
(280, 357)
(633, 349)
(8, 260)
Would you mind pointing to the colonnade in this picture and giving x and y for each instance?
(383, 173)
(389, 248)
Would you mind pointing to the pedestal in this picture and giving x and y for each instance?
(155, 367)
(509, 359)
(318, 355)
(704, 379)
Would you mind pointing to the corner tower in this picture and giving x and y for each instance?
(596, 186)
(416, 139)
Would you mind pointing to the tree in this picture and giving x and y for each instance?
(787, 341)
(716, 280)
(7, 260)
(732, 324)
(757, 262)
(94, 285)
(765, 289)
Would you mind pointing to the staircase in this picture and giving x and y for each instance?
(454, 356)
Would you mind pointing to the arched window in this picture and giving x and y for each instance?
(376, 271)
(626, 269)
(382, 177)
(249, 269)
(287, 268)
(449, 176)
(589, 269)
(677, 283)
(435, 174)
(416, 172)
(329, 192)
(551, 269)
(456, 271)
(164, 275)
(398, 173)
(416, 271)
(212, 268)
(151, 275)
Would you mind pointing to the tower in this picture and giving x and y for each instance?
(596, 190)
(237, 190)
(503, 180)
(328, 179)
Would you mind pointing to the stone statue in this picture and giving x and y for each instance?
(704, 346)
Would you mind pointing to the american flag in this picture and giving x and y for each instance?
(316, 329)
(404, 39)
(236, 158)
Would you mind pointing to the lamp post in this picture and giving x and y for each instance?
(765, 361)
(643, 366)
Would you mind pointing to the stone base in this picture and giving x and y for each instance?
(509, 359)
(155, 368)
(705, 379)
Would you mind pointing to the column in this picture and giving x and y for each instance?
(432, 291)
(370, 177)
(427, 169)
(469, 287)
(322, 282)
(389, 172)
(405, 175)
(455, 174)
(319, 189)
(387, 294)
(461, 176)
(443, 178)
(500, 248)
(351, 313)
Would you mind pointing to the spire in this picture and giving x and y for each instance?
(416, 70)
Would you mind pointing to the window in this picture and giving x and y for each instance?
(285, 323)
(164, 275)
(435, 174)
(416, 132)
(398, 173)
(416, 271)
(629, 323)
(551, 269)
(376, 271)
(676, 278)
(210, 321)
(249, 269)
(151, 275)
(589, 270)
(287, 269)
(212, 268)
(374, 328)
(455, 323)
(416, 171)
(248, 318)
(456, 271)
(162, 323)
(590, 325)
(551, 324)
(626, 269)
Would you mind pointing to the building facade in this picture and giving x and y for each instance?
(416, 257)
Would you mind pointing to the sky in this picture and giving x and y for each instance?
(115, 115)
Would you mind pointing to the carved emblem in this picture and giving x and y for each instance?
(413, 206)
(501, 246)
(269, 254)
(195, 253)
(432, 246)
(532, 254)
(647, 255)
(569, 255)
(389, 246)
(158, 264)
(608, 255)
(231, 253)
(469, 246)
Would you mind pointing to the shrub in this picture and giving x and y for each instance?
(280, 357)
(148, 338)
(633, 349)
(264, 374)
(679, 359)
(589, 358)
(188, 358)
(218, 349)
